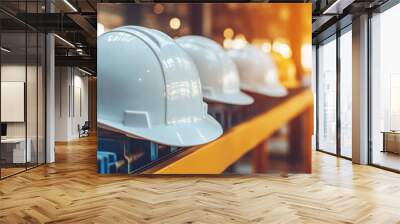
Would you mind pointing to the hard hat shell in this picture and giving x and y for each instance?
(150, 88)
(257, 71)
(218, 74)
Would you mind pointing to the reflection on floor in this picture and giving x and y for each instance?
(10, 169)
(386, 159)
(346, 152)
(71, 191)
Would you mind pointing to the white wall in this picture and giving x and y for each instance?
(33, 127)
(12, 73)
(62, 82)
(70, 83)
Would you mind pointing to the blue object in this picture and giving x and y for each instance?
(108, 159)
(153, 151)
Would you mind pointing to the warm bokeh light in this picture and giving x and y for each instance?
(282, 47)
(266, 47)
(158, 9)
(280, 28)
(175, 23)
(306, 56)
(100, 29)
(286, 70)
(284, 14)
(263, 43)
(227, 43)
(240, 36)
(228, 33)
(239, 41)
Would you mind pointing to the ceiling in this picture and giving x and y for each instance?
(328, 15)
(74, 22)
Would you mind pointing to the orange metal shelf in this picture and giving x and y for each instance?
(215, 157)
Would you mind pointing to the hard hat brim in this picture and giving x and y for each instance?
(238, 98)
(275, 90)
(182, 135)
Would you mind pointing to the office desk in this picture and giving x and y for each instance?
(391, 141)
(13, 150)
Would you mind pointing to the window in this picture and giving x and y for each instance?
(346, 94)
(335, 137)
(327, 96)
(385, 89)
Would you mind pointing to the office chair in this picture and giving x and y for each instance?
(84, 130)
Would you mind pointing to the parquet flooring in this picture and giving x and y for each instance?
(70, 191)
(11, 170)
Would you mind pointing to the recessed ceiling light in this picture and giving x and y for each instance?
(70, 5)
(337, 7)
(84, 71)
(5, 50)
(64, 40)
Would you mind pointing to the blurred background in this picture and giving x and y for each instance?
(280, 28)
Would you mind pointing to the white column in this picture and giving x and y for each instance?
(50, 99)
(50, 92)
(360, 90)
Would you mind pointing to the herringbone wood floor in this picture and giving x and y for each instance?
(70, 191)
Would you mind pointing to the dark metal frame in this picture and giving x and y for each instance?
(316, 96)
(338, 98)
(369, 90)
(339, 32)
(44, 71)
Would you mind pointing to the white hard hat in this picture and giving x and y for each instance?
(258, 72)
(150, 88)
(218, 74)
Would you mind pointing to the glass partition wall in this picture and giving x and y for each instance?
(334, 88)
(22, 77)
(327, 96)
(13, 89)
(345, 61)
